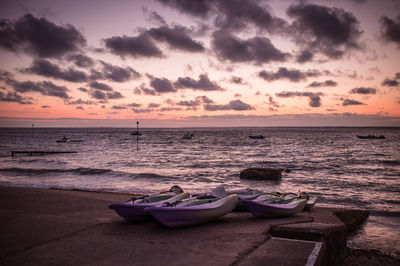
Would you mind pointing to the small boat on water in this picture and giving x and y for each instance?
(371, 137)
(193, 211)
(64, 139)
(136, 133)
(257, 137)
(133, 210)
(274, 205)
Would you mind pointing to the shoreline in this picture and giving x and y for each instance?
(91, 207)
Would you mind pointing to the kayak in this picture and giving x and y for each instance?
(194, 210)
(133, 210)
(273, 205)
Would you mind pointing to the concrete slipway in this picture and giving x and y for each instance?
(58, 227)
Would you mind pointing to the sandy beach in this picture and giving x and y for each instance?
(48, 227)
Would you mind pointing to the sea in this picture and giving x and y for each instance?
(331, 163)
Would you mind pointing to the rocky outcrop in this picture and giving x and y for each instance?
(261, 174)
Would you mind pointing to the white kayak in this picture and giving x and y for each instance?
(133, 210)
(268, 205)
(193, 211)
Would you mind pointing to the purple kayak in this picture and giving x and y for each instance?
(263, 208)
(193, 211)
(133, 210)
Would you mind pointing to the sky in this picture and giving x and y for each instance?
(203, 63)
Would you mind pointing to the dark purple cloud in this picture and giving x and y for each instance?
(139, 46)
(238, 14)
(326, 83)
(362, 90)
(304, 56)
(236, 105)
(40, 37)
(257, 49)
(117, 73)
(100, 86)
(314, 98)
(200, 8)
(390, 82)
(46, 88)
(293, 75)
(81, 60)
(237, 80)
(232, 14)
(80, 102)
(329, 30)
(391, 29)
(118, 107)
(14, 97)
(176, 38)
(347, 102)
(45, 68)
(145, 90)
(190, 103)
(203, 83)
(162, 85)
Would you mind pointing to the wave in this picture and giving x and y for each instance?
(32, 171)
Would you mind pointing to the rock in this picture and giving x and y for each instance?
(261, 174)
(352, 218)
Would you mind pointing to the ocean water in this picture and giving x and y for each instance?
(330, 163)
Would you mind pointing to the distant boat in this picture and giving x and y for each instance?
(136, 133)
(371, 137)
(68, 140)
(257, 137)
(188, 136)
(64, 139)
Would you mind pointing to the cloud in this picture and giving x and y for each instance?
(46, 88)
(200, 8)
(293, 75)
(45, 106)
(314, 98)
(118, 107)
(232, 14)
(392, 82)
(118, 74)
(80, 102)
(162, 85)
(362, 90)
(237, 14)
(100, 86)
(326, 83)
(204, 99)
(236, 105)
(391, 29)
(203, 83)
(329, 30)
(304, 56)
(271, 101)
(40, 37)
(347, 102)
(139, 46)
(45, 68)
(257, 49)
(144, 89)
(237, 80)
(81, 60)
(177, 38)
(14, 97)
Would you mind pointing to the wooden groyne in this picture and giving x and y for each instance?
(32, 153)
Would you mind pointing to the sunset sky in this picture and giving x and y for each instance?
(175, 63)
